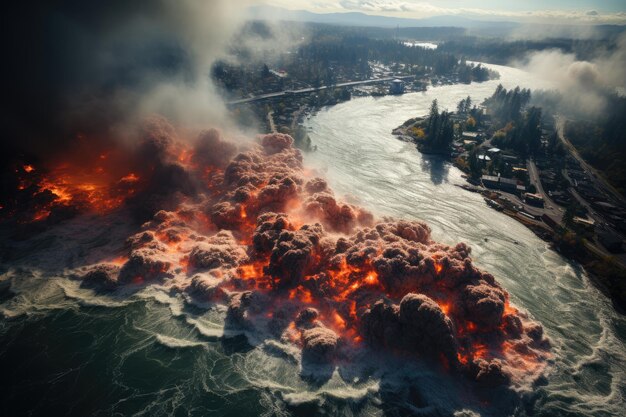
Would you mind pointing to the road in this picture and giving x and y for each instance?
(550, 207)
(270, 121)
(313, 89)
(594, 175)
(600, 183)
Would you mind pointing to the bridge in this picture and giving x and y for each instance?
(313, 89)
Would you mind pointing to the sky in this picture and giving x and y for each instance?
(541, 11)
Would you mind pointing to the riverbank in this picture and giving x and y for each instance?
(361, 158)
(534, 209)
(606, 274)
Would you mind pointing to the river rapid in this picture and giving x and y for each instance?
(66, 350)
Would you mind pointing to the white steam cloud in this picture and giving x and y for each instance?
(99, 68)
(583, 84)
(203, 29)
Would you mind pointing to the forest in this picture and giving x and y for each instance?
(521, 129)
(601, 142)
(329, 55)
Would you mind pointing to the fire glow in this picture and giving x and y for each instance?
(92, 189)
(276, 245)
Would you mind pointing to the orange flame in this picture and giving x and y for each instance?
(119, 261)
(445, 307)
(339, 321)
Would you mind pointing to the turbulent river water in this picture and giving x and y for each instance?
(67, 351)
(362, 158)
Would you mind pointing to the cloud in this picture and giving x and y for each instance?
(99, 68)
(584, 85)
(377, 5)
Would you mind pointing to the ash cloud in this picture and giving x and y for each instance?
(97, 68)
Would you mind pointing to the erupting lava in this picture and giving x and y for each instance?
(68, 188)
(258, 233)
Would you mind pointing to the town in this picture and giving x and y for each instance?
(275, 95)
(524, 166)
(515, 154)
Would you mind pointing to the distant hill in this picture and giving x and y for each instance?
(362, 19)
(471, 26)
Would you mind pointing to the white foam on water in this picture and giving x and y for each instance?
(176, 343)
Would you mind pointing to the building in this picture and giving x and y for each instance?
(509, 185)
(474, 136)
(585, 223)
(490, 181)
(280, 73)
(397, 87)
(534, 199)
(509, 158)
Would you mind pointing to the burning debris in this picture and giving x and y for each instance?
(252, 231)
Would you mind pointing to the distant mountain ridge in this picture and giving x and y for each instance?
(362, 19)
(474, 27)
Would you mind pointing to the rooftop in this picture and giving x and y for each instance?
(508, 181)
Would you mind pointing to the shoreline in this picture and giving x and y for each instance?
(602, 272)
(588, 258)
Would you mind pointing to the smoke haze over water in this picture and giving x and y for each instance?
(99, 67)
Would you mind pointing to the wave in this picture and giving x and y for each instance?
(176, 343)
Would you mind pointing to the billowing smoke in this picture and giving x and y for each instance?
(97, 69)
(583, 85)
(240, 224)
(253, 231)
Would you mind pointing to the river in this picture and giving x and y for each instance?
(66, 350)
(356, 151)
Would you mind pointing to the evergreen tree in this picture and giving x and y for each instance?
(532, 130)
(474, 164)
